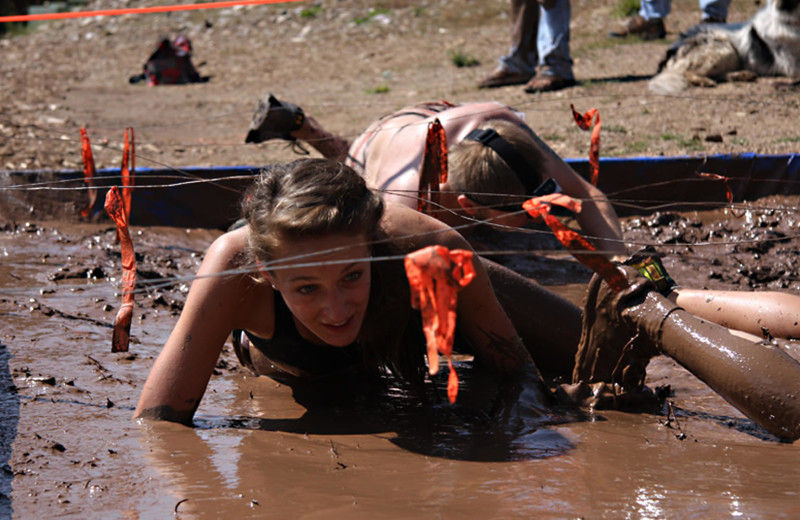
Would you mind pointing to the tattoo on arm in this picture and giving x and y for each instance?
(186, 341)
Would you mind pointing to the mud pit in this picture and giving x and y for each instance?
(73, 451)
(68, 446)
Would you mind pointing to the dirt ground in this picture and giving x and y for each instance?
(348, 62)
(68, 445)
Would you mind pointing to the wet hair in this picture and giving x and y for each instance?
(475, 168)
(307, 198)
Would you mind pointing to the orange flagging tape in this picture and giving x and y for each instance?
(434, 166)
(435, 275)
(115, 207)
(136, 10)
(539, 207)
(584, 121)
(88, 171)
(127, 170)
(729, 194)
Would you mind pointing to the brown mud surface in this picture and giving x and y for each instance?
(68, 446)
(73, 451)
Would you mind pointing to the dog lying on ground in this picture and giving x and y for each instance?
(766, 45)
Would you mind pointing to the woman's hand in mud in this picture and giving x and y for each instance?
(523, 394)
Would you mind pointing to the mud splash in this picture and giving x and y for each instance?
(71, 450)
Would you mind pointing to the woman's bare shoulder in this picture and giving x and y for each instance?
(398, 218)
(227, 251)
(412, 229)
(226, 279)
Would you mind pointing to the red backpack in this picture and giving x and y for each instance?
(170, 64)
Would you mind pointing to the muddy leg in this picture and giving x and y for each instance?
(759, 379)
(276, 119)
(329, 145)
(792, 348)
(548, 324)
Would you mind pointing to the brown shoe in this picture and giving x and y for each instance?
(644, 29)
(274, 119)
(502, 77)
(547, 83)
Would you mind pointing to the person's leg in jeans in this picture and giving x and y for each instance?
(655, 9)
(555, 62)
(519, 65)
(714, 11)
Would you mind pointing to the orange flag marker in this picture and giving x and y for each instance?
(584, 121)
(115, 207)
(729, 194)
(127, 172)
(88, 171)
(539, 207)
(434, 167)
(435, 275)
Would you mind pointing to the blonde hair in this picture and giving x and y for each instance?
(475, 168)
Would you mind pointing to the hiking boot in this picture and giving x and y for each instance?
(644, 29)
(274, 119)
(548, 83)
(503, 77)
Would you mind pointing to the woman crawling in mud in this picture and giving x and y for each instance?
(315, 281)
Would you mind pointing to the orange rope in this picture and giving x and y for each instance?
(128, 172)
(539, 207)
(729, 193)
(136, 10)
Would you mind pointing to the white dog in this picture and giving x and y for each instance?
(766, 45)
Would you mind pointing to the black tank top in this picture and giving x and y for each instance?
(287, 354)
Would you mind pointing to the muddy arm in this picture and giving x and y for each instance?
(549, 325)
(598, 219)
(181, 372)
(623, 330)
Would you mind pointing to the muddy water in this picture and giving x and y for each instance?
(70, 449)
